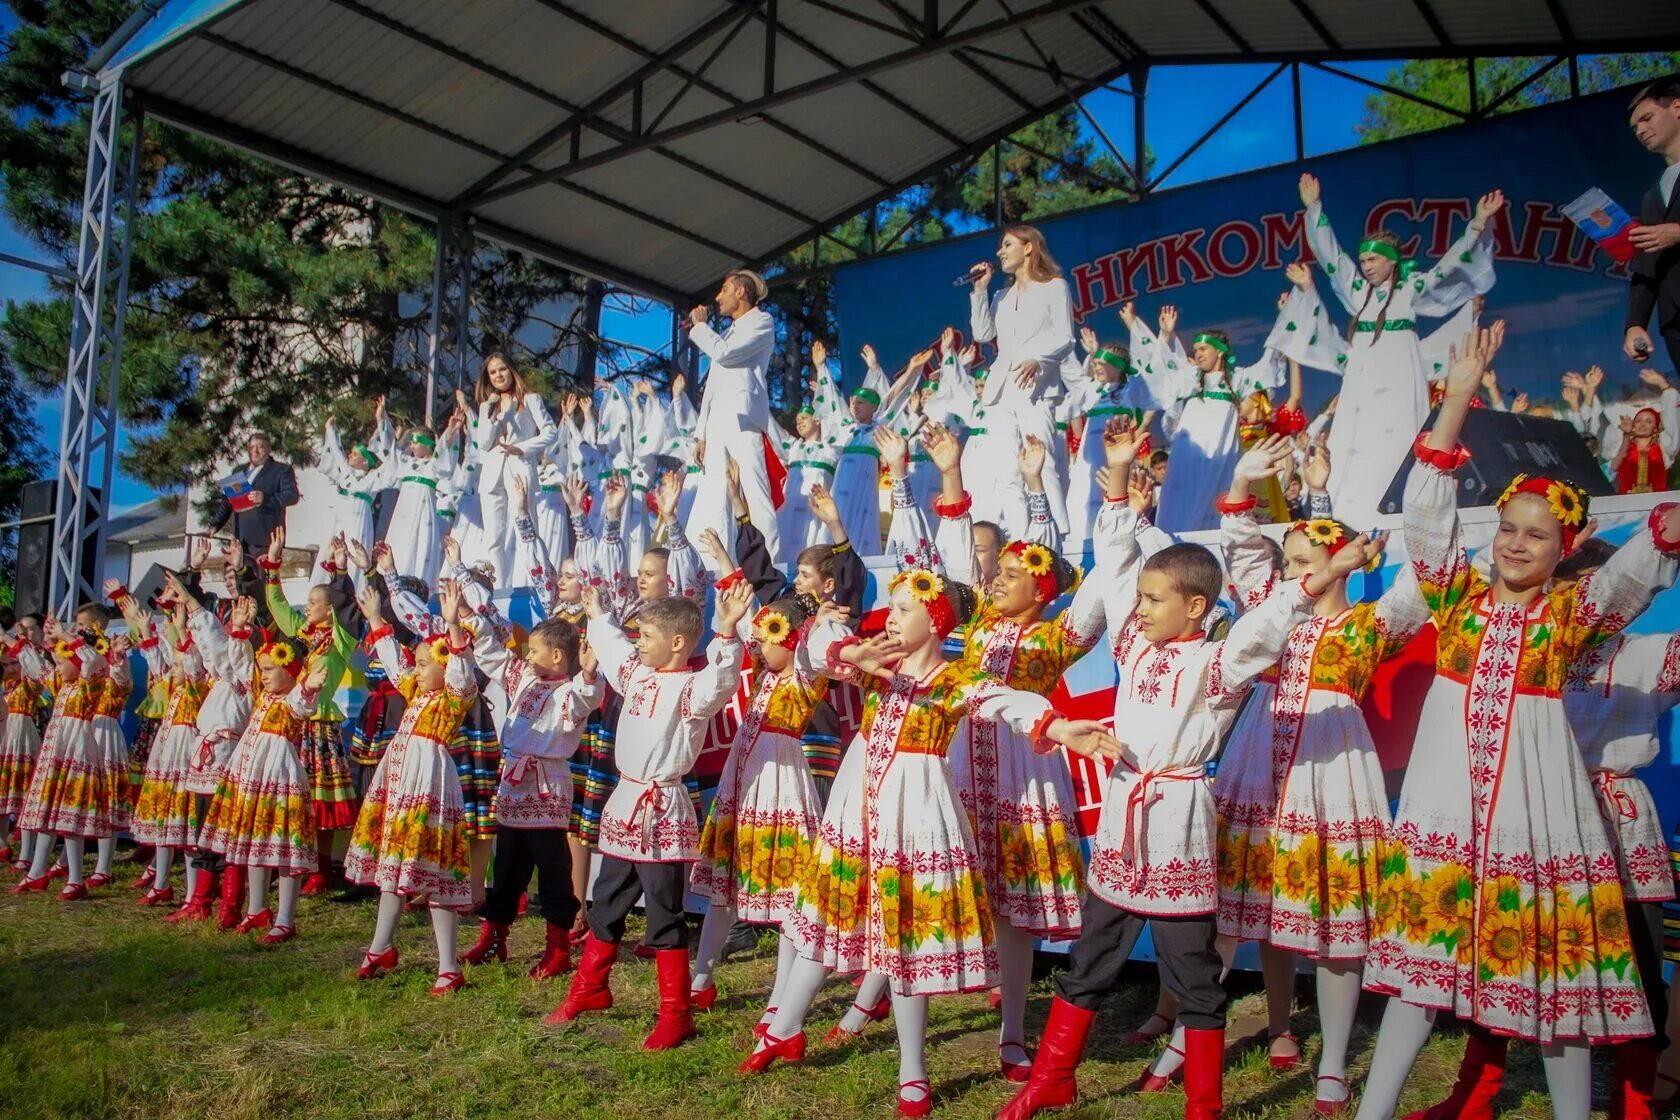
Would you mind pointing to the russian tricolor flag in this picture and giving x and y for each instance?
(1603, 220)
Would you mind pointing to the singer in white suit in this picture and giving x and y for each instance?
(735, 409)
(1032, 324)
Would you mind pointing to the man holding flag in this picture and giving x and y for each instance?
(1654, 115)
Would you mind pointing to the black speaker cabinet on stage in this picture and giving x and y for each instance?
(1503, 445)
(34, 548)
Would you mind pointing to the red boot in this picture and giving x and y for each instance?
(1204, 1074)
(676, 1018)
(1635, 1082)
(1479, 1077)
(588, 991)
(228, 910)
(197, 906)
(1051, 1084)
(557, 954)
(492, 942)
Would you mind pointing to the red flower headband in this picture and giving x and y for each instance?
(1568, 504)
(928, 589)
(1040, 564)
(1322, 531)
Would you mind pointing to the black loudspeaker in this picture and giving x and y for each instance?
(34, 547)
(1503, 445)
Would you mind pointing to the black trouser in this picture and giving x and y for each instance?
(1645, 930)
(1184, 952)
(662, 888)
(518, 852)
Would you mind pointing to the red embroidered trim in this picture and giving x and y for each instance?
(1041, 742)
(240, 633)
(184, 644)
(119, 593)
(837, 666)
(1226, 505)
(1444, 461)
(1655, 524)
(330, 568)
(268, 565)
(730, 580)
(459, 649)
(376, 636)
(148, 643)
(954, 509)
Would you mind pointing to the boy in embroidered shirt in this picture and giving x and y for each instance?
(1152, 859)
(649, 831)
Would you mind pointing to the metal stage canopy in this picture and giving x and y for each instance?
(656, 143)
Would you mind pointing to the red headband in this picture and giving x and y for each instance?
(1040, 563)
(1322, 531)
(774, 628)
(1655, 415)
(284, 655)
(1568, 504)
(928, 589)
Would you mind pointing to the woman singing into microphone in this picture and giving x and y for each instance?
(1031, 322)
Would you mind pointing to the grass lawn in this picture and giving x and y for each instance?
(106, 1012)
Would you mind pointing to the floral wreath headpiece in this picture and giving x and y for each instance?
(1039, 563)
(1567, 502)
(284, 655)
(928, 589)
(773, 628)
(1324, 532)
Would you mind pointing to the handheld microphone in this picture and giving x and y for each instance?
(968, 277)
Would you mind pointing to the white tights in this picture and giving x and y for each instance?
(1015, 959)
(714, 931)
(446, 925)
(869, 995)
(107, 850)
(256, 895)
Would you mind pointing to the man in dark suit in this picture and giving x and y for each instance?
(255, 512)
(1654, 115)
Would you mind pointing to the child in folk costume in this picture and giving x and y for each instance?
(1106, 387)
(551, 691)
(649, 833)
(74, 792)
(810, 455)
(1648, 447)
(1303, 810)
(765, 812)
(164, 811)
(108, 733)
(20, 744)
(410, 837)
(382, 705)
(894, 886)
(857, 476)
(332, 794)
(416, 469)
(1153, 857)
(358, 477)
(260, 819)
(1501, 889)
(1384, 398)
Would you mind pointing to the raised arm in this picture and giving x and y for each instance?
(750, 337)
(1342, 269)
(1612, 597)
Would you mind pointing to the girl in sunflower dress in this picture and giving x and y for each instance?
(765, 813)
(260, 819)
(1500, 894)
(1303, 810)
(894, 886)
(20, 744)
(331, 790)
(411, 836)
(1020, 803)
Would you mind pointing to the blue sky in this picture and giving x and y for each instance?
(1182, 103)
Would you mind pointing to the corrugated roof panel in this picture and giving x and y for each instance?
(1612, 19)
(1358, 27)
(1497, 21)
(662, 189)
(949, 94)
(1269, 26)
(765, 158)
(1186, 30)
(853, 120)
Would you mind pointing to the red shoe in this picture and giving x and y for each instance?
(557, 954)
(1204, 1074)
(1017, 1072)
(97, 879)
(233, 893)
(1283, 1063)
(523, 898)
(144, 879)
(278, 935)
(21, 865)
(787, 1049)
(1480, 1075)
(447, 982)
(994, 998)
(1333, 1108)
(588, 990)
(32, 886)
(492, 942)
(262, 919)
(74, 892)
(919, 1107)
(675, 1024)
(156, 897)
(197, 907)
(5, 853)
(1151, 1082)
(58, 871)
(762, 1027)
(876, 1014)
(1145, 1034)
(1635, 1082)
(375, 965)
(645, 953)
(1051, 1083)
(704, 998)
(315, 883)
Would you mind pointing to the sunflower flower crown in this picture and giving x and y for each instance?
(773, 628)
(440, 649)
(1567, 502)
(283, 654)
(925, 586)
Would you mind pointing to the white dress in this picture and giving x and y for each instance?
(1501, 892)
(810, 463)
(226, 708)
(352, 509)
(415, 534)
(1303, 809)
(163, 813)
(1095, 405)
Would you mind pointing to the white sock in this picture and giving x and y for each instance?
(161, 860)
(910, 1013)
(256, 890)
(385, 926)
(869, 995)
(290, 887)
(74, 849)
(26, 845)
(107, 849)
(191, 874)
(40, 853)
(1338, 999)
(1014, 949)
(1568, 1067)
(786, 954)
(1168, 1061)
(446, 924)
(1405, 1028)
(714, 931)
(804, 981)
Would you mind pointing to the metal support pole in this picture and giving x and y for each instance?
(1574, 77)
(449, 353)
(432, 335)
(1140, 170)
(1475, 98)
(1300, 122)
(997, 184)
(87, 442)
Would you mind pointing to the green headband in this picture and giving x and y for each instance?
(867, 394)
(426, 438)
(1116, 361)
(1218, 344)
(1381, 248)
(806, 409)
(362, 450)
